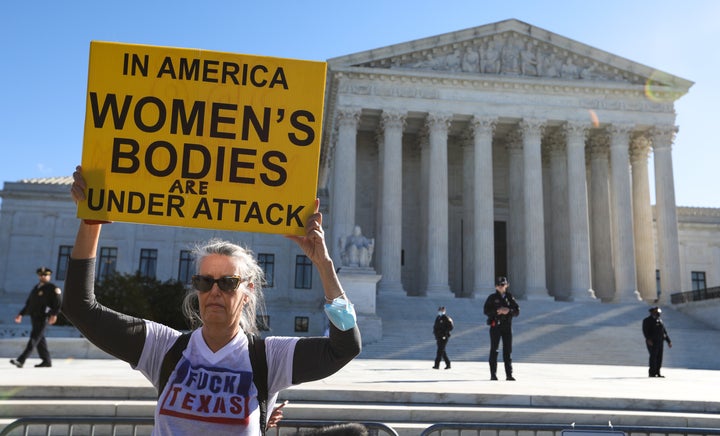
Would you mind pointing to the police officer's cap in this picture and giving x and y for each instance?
(655, 309)
(43, 270)
(501, 281)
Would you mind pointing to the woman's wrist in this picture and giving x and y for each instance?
(326, 264)
(331, 283)
(331, 299)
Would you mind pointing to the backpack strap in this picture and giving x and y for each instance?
(258, 360)
(171, 359)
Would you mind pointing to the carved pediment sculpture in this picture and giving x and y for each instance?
(509, 48)
(508, 54)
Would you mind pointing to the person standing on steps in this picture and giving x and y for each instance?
(43, 305)
(500, 308)
(441, 330)
(655, 333)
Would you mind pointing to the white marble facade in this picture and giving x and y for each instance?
(505, 149)
(501, 149)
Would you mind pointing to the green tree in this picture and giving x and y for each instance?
(144, 297)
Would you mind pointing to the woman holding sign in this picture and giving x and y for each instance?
(219, 378)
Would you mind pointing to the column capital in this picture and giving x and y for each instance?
(478, 127)
(555, 143)
(598, 146)
(348, 116)
(532, 126)
(438, 121)
(620, 134)
(639, 147)
(391, 118)
(483, 124)
(621, 128)
(663, 136)
(576, 130)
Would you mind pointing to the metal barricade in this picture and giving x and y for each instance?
(139, 426)
(292, 426)
(79, 425)
(509, 429)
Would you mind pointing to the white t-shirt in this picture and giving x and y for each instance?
(212, 393)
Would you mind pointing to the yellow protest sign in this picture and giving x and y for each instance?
(195, 138)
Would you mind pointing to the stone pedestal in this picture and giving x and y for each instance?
(360, 284)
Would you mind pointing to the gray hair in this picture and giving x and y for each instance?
(250, 271)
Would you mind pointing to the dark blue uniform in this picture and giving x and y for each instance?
(441, 329)
(44, 301)
(500, 328)
(655, 333)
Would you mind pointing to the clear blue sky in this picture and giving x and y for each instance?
(43, 69)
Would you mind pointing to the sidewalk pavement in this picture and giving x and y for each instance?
(414, 381)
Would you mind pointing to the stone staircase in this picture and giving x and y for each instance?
(545, 332)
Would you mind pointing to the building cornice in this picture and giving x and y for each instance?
(422, 84)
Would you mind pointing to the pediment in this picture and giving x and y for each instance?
(510, 48)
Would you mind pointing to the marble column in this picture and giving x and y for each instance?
(437, 228)
(714, 277)
(483, 206)
(391, 208)
(578, 225)
(344, 181)
(516, 223)
(547, 217)
(559, 247)
(377, 260)
(423, 141)
(467, 241)
(643, 219)
(536, 286)
(603, 279)
(666, 211)
(621, 198)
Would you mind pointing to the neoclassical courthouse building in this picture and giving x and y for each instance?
(503, 149)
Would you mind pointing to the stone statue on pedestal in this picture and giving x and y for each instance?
(356, 250)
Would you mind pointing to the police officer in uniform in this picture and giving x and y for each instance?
(441, 329)
(655, 333)
(43, 305)
(500, 308)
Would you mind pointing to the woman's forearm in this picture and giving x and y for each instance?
(86, 241)
(329, 279)
(316, 358)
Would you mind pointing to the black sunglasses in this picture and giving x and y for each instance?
(226, 284)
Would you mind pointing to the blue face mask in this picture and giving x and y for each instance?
(341, 313)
